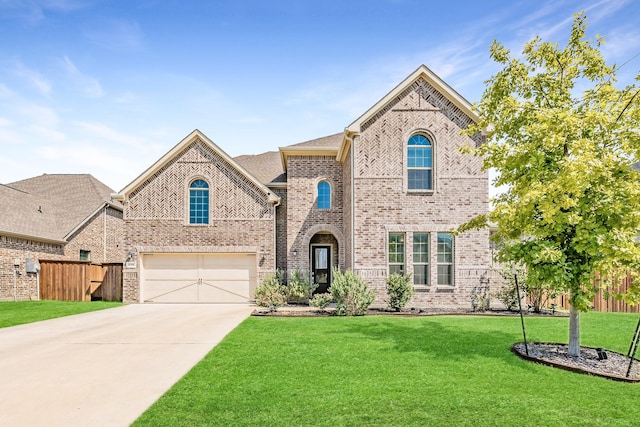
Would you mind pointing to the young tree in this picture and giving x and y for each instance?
(564, 141)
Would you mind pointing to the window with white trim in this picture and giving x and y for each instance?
(199, 202)
(445, 259)
(420, 258)
(419, 163)
(324, 195)
(396, 253)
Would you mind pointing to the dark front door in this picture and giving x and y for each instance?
(321, 267)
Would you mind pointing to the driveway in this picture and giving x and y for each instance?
(104, 368)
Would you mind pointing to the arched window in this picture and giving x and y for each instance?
(420, 163)
(199, 202)
(324, 195)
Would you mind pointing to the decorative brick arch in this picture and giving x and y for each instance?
(335, 231)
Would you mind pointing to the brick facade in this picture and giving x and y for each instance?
(241, 217)
(383, 204)
(101, 235)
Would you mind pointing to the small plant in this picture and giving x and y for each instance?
(271, 292)
(399, 291)
(321, 300)
(508, 296)
(351, 294)
(299, 288)
(480, 298)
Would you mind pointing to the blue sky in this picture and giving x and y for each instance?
(108, 87)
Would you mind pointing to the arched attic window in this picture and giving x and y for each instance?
(324, 195)
(419, 163)
(199, 202)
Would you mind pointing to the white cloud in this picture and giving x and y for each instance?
(33, 78)
(89, 85)
(37, 114)
(100, 131)
(117, 35)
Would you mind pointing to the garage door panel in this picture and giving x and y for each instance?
(198, 277)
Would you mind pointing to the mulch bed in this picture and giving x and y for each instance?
(307, 311)
(614, 367)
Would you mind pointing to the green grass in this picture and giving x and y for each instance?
(17, 313)
(393, 371)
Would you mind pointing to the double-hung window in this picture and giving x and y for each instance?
(420, 258)
(445, 259)
(419, 163)
(396, 253)
(199, 202)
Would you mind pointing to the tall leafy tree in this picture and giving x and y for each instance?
(564, 140)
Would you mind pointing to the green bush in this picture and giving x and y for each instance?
(399, 291)
(299, 288)
(321, 300)
(351, 294)
(271, 292)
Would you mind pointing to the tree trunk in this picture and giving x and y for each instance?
(574, 332)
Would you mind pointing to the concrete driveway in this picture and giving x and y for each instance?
(107, 367)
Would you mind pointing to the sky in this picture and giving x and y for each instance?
(108, 87)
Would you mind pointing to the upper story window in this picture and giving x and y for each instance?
(199, 202)
(420, 163)
(324, 195)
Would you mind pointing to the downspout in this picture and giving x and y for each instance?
(353, 205)
(104, 235)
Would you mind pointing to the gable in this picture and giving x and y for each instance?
(161, 193)
(51, 206)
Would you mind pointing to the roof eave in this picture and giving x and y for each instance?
(123, 194)
(305, 151)
(31, 237)
(433, 79)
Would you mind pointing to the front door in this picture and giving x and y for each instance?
(321, 267)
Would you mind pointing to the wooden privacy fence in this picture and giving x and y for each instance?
(80, 281)
(600, 301)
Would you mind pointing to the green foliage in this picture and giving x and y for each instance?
(321, 300)
(271, 292)
(399, 290)
(299, 288)
(351, 294)
(563, 139)
(480, 298)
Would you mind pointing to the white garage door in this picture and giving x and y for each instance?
(222, 278)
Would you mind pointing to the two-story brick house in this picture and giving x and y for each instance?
(380, 197)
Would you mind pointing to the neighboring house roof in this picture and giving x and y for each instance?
(50, 207)
(176, 150)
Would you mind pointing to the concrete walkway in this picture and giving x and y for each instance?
(107, 367)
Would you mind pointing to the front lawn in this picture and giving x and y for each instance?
(394, 371)
(16, 313)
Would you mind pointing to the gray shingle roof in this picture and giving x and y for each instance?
(267, 167)
(50, 206)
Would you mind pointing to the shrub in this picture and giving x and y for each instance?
(321, 300)
(480, 298)
(271, 292)
(351, 294)
(299, 287)
(508, 295)
(399, 290)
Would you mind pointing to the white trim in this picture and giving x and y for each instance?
(123, 194)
